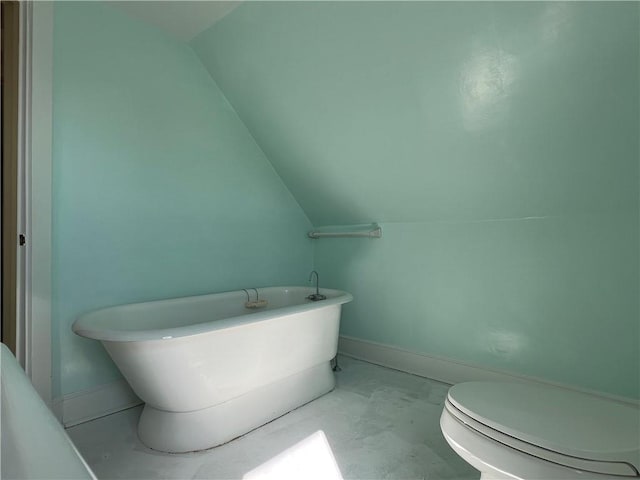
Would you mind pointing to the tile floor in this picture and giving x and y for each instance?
(380, 424)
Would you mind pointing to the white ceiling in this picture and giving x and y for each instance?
(181, 19)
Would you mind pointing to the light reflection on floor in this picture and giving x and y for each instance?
(311, 459)
(378, 424)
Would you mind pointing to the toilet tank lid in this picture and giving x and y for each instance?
(561, 420)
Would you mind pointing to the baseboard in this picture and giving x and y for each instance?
(443, 369)
(80, 407)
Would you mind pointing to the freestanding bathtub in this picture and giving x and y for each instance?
(209, 369)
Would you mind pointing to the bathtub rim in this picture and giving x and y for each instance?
(83, 327)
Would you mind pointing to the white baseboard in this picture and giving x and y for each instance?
(443, 369)
(80, 407)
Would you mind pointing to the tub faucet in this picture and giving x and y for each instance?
(316, 296)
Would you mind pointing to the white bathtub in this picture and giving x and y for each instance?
(210, 370)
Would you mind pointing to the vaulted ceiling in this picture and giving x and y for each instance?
(181, 19)
(423, 111)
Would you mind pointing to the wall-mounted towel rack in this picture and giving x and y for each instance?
(370, 231)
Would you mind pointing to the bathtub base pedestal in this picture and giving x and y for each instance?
(178, 432)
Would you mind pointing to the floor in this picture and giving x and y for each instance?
(379, 423)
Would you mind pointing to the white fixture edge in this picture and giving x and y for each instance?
(86, 405)
(444, 369)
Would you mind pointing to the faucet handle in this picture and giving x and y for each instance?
(314, 297)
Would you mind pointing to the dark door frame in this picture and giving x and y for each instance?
(10, 75)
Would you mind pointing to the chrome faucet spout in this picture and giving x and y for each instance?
(313, 272)
(316, 296)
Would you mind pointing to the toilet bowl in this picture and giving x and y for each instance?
(530, 431)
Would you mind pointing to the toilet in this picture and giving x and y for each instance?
(533, 431)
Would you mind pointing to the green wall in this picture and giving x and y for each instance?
(497, 143)
(159, 190)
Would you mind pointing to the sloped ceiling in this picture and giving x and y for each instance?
(181, 19)
(422, 111)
